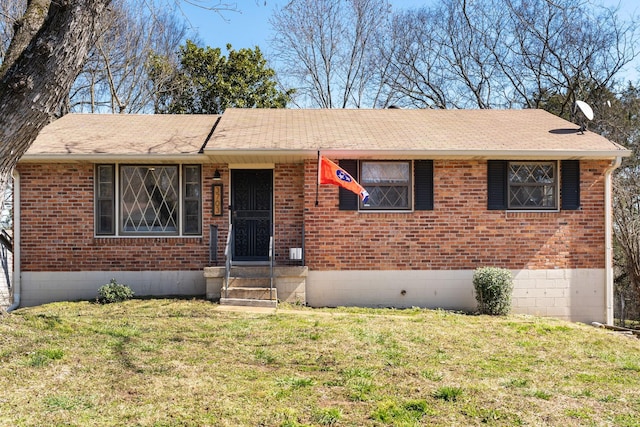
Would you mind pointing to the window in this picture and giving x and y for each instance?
(151, 200)
(388, 184)
(392, 185)
(532, 185)
(105, 199)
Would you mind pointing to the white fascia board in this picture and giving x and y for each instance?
(211, 155)
(425, 154)
(113, 158)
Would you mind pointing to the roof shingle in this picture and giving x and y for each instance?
(264, 132)
(405, 130)
(124, 134)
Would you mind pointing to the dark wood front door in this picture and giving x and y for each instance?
(251, 213)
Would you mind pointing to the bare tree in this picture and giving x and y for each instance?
(572, 48)
(43, 59)
(627, 225)
(328, 49)
(114, 77)
(49, 43)
(506, 53)
(445, 55)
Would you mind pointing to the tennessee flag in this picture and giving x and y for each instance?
(330, 173)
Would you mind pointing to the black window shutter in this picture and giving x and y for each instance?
(570, 185)
(497, 184)
(348, 201)
(423, 185)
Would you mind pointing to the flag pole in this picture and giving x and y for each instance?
(318, 178)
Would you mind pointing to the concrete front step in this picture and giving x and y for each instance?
(248, 302)
(249, 282)
(250, 293)
(250, 271)
(290, 281)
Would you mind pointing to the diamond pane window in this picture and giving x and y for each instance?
(533, 185)
(149, 199)
(388, 184)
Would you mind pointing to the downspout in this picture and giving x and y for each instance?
(608, 237)
(16, 242)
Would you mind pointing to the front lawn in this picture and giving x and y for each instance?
(186, 363)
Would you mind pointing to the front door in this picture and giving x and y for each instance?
(251, 213)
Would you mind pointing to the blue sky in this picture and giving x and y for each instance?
(250, 26)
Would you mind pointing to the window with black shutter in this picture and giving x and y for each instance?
(392, 185)
(533, 185)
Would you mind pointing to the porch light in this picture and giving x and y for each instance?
(216, 175)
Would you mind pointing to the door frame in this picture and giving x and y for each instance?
(252, 166)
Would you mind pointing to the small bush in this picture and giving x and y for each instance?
(114, 292)
(493, 290)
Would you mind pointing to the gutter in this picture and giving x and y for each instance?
(478, 154)
(16, 242)
(608, 237)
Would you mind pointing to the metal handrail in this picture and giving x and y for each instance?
(213, 244)
(271, 260)
(228, 251)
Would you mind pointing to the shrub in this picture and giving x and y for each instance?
(114, 292)
(493, 290)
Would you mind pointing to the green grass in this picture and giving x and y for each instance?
(187, 363)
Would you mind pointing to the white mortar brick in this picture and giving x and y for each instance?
(544, 302)
(555, 274)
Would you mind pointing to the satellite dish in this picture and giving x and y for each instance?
(587, 113)
(586, 109)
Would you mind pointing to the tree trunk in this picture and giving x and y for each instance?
(41, 67)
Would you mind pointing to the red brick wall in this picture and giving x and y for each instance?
(460, 233)
(289, 207)
(57, 227)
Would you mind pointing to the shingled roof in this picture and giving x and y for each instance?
(407, 132)
(279, 134)
(127, 135)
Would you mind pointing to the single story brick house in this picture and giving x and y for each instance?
(149, 200)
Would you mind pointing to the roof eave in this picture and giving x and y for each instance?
(225, 155)
(113, 158)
